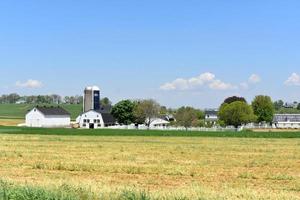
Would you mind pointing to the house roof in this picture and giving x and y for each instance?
(286, 118)
(53, 111)
(211, 112)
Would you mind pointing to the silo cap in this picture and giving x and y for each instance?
(88, 88)
(95, 88)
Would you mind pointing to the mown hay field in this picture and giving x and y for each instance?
(120, 167)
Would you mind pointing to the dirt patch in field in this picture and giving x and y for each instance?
(10, 122)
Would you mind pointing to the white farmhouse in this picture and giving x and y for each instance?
(211, 115)
(286, 121)
(48, 117)
(94, 119)
(158, 123)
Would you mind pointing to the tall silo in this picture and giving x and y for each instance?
(91, 98)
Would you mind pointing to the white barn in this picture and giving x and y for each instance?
(48, 117)
(94, 119)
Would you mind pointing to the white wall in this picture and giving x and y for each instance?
(285, 125)
(34, 118)
(89, 118)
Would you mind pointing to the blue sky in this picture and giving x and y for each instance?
(177, 52)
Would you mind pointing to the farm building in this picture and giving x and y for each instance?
(286, 121)
(94, 119)
(48, 117)
(158, 122)
(211, 115)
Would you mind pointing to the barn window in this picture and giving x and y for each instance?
(98, 121)
(84, 120)
(88, 121)
(95, 120)
(84, 125)
(99, 125)
(34, 110)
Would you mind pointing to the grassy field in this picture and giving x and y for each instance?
(84, 166)
(18, 111)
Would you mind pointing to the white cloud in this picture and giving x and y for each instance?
(29, 84)
(205, 79)
(254, 78)
(219, 85)
(293, 80)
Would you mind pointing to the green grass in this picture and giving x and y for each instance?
(18, 111)
(116, 132)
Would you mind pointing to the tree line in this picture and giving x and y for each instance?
(147, 110)
(40, 99)
(234, 111)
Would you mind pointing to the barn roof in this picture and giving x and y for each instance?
(53, 111)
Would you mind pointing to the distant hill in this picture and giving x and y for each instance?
(18, 111)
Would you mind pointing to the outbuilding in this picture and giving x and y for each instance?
(48, 117)
(286, 121)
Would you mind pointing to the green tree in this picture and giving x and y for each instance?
(105, 101)
(236, 113)
(298, 107)
(187, 117)
(278, 104)
(123, 111)
(263, 108)
(146, 111)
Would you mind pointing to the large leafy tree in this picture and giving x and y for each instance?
(188, 116)
(236, 113)
(146, 111)
(123, 111)
(263, 108)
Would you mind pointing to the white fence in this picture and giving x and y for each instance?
(173, 128)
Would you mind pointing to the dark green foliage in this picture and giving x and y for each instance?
(232, 99)
(110, 132)
(123, 112)
(263, 108)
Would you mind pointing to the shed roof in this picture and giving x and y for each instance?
(53, 111)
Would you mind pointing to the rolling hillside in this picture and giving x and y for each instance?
(18, 111)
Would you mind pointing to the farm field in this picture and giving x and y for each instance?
(147, 167)
(18, 111)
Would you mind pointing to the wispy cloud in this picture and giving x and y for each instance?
(293, 80)
(29, 84)
(206, 79)
(253, 79)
